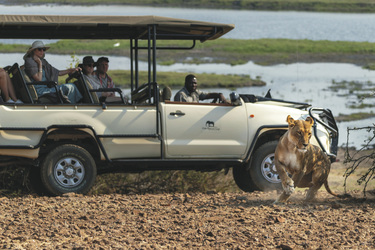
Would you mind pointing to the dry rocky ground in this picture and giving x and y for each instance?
(195, 221)
(233, 220)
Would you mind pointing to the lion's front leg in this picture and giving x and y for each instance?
(288, 186)
(286, 182)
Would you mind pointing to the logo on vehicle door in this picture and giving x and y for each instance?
(210, 125)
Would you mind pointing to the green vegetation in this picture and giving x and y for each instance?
(176, 80)
(230, 51)
(362, 91)
(367, 6)
(350, 86)
(355, 86)
(354, 116)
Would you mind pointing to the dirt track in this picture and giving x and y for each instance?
(196, 221)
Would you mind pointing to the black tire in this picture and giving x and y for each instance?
(243, 179)
(68, 168)
(35, 180)
(262, 170)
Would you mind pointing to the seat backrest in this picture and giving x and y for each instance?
(94, 96)
(141, 94)
(31, 88)
(84, 87)
(22, 90)
(166, 94)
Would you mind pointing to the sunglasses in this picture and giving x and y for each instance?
(40, 49)
(89, 65)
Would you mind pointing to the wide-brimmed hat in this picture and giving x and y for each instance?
(87, 60)
(35, 45)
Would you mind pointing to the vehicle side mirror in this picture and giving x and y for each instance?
(235, 99)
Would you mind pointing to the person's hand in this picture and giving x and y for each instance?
(222, 99)
(37, 60)
(108, 94)
(73, 70)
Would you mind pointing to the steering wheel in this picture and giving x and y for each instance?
(217, 100)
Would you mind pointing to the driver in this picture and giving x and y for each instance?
(190, 93)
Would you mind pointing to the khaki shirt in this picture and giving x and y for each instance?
(185, 96)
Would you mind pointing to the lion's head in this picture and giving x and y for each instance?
(300, 132)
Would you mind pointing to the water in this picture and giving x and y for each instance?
(299, 82)
(249, 24)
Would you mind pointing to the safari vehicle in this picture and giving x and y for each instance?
(69, 144)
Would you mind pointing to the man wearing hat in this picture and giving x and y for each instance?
(87, 67)
(105, 80)
(38, 69)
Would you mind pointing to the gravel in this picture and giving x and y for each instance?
(193, 221)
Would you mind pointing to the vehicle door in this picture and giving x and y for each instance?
(204, 130)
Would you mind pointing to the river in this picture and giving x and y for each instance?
(249, 24)
(299, 82)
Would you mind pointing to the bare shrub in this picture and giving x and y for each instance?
(364, 156)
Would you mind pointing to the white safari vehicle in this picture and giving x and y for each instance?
(69, 144)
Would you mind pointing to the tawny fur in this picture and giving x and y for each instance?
(308, 165)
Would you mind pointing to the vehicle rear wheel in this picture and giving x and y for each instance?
(243, 179)
(68, 168)
(263, 171)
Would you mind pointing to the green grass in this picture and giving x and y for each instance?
(176, 79)
(230, 51)
(354, 116)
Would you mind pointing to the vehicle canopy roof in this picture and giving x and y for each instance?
(107, 27)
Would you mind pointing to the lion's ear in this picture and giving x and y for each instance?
(310, 120)
(290, 121)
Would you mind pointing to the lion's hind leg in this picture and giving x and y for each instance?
(311, 193)
(319, 177)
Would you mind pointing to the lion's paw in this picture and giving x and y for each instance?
(289, 189)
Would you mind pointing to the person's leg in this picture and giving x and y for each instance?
(4, 85)
(11, 91)
(72, 92)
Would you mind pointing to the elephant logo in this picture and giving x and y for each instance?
(210, 124)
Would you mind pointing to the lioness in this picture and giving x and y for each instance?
(308, 165)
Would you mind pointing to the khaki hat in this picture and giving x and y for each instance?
(35, 45)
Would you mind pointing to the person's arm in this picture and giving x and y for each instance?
(39, 75)
(216, 95)
(68, 71)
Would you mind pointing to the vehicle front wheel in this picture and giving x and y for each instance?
(68, 168)
(263, 171)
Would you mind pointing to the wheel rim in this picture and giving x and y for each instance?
(268, 169)
(69, 172)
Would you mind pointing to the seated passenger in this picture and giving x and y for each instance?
(190, 93)
(38, 69)
(104, 80)
(7, 90)
(87, 67)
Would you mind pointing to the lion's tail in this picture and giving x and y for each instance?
(333, 193)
